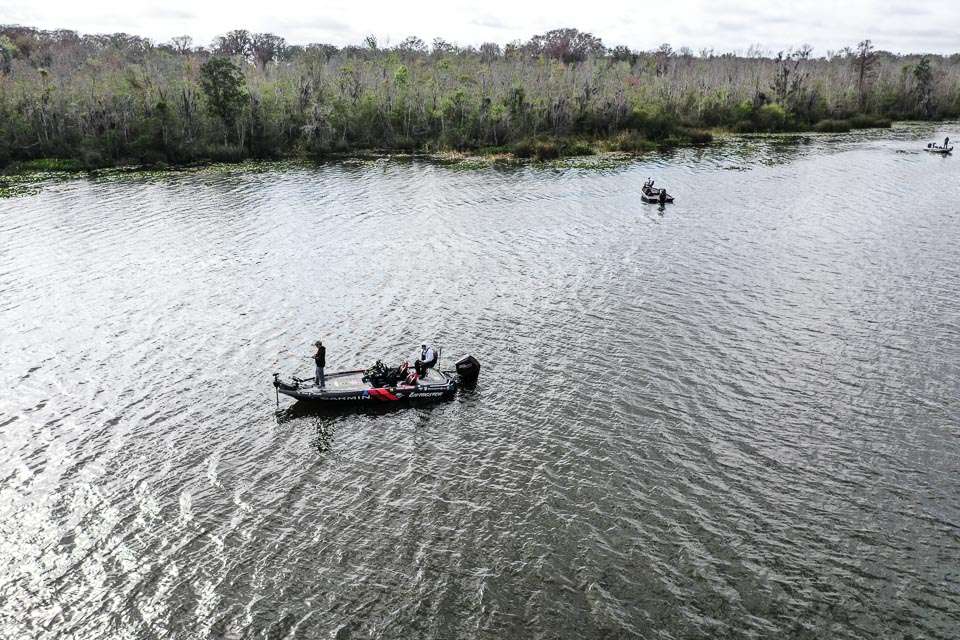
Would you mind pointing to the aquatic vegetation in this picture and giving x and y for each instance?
(863, 121)
(832, 126)
(550, 149)
(630, 142)
(25, 184)
(13, 189)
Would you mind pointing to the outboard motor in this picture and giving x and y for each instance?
(468, 368)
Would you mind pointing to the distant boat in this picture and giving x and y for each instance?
(654, 195)
(942, 149)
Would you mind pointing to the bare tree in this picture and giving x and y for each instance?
(923, 87)
(786, 90)
(181, 44)
(441, 47)
(489, 51)
(662, 57)
(864, 62)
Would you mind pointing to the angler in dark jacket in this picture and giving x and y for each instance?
(320, 357)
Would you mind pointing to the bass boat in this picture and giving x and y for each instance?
(381, 383)
(654, 195)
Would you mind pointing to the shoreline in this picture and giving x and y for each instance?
(53, 168)
(20, 176)
(543, 151)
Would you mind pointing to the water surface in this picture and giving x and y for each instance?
(737, 417)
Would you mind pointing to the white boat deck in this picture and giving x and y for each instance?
(353, 381)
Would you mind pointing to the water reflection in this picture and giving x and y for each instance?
(324, 419)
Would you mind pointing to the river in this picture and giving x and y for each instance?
(736, 417)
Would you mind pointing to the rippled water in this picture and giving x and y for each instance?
(735, 418)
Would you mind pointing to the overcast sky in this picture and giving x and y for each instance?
(725, 25)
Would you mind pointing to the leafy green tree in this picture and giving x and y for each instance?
(321, 51)
(233, 43)
(401, 76)
(265, 48)
(771, 117)
(411, 46)
(623, 53)
(223, 84)
(8, 51)
(568, 45)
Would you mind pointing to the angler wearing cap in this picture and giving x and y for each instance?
(427, 360)
(320, 357)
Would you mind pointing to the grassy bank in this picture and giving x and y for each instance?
(536, 149)
(623, 144)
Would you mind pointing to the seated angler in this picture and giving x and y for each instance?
(427, 360)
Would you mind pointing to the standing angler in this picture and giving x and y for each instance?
(320, 357)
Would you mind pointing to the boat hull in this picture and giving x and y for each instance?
(655, 199)
(348, 386)
(385, 394)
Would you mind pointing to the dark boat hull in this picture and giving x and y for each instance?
(348, 386)
(385, 394)
(654, 197)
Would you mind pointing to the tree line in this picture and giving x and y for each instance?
(99, 100)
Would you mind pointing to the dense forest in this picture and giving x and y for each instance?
(100, 100)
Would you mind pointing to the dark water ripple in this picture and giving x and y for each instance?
(735, 419)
